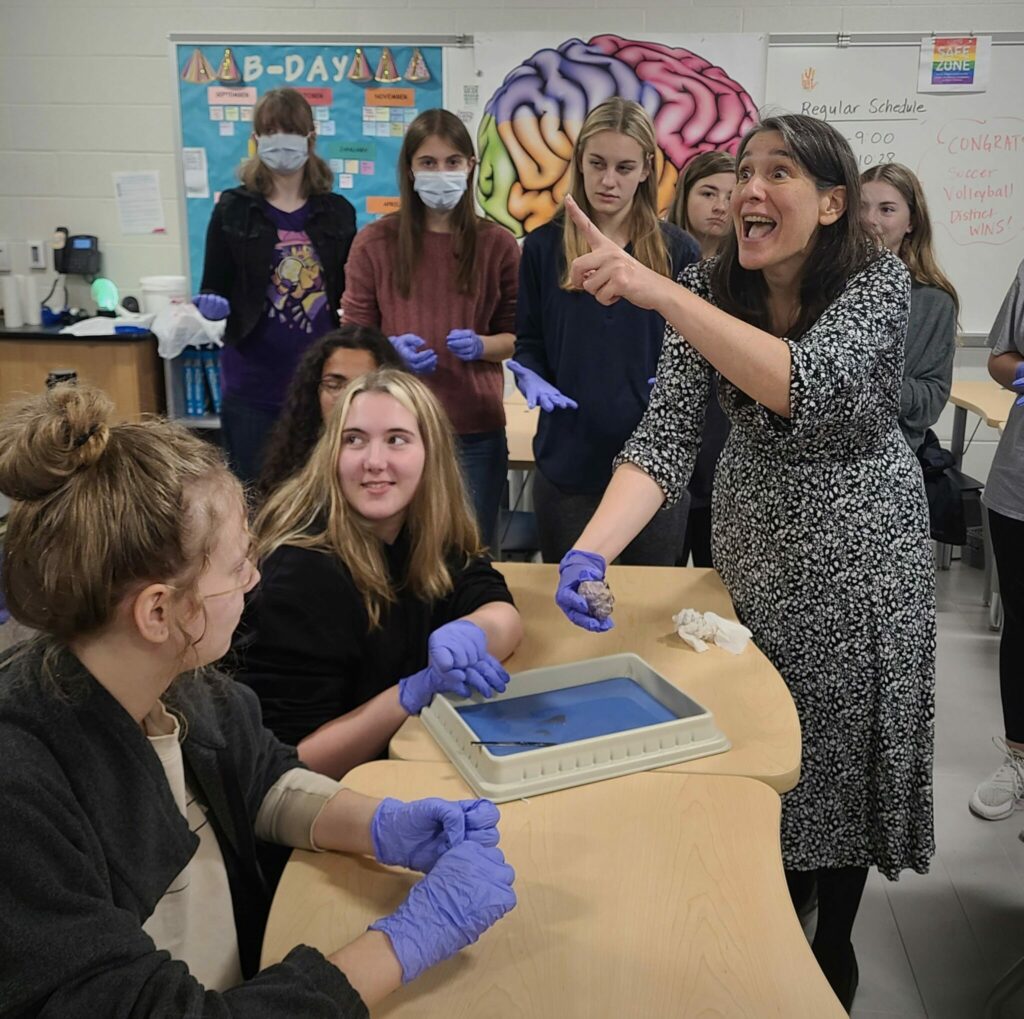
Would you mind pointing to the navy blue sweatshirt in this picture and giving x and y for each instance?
(600, 356)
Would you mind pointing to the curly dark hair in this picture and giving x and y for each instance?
(299, 426)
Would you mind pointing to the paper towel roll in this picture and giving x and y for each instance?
(28, 290)
(9, 294)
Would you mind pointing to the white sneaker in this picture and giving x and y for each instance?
(1003, 791)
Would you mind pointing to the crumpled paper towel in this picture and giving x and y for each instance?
(699, 629)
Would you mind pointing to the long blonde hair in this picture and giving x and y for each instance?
(916, 246)
(310, 510)
(623, 116)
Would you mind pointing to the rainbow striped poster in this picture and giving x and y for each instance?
(955, 63)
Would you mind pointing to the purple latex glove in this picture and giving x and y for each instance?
(212, 307)
(577, 566)
(415, 692)
(419, 362)
(1018, 384)
(539, 391)
(459, 649)
(465, 344)
(468, 890)
(417, 834)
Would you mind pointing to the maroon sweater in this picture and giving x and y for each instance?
(470, 391)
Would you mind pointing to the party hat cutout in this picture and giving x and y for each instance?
(360, 69)
(228, 72)
(386, 70)
(198, 70)
(417, 69)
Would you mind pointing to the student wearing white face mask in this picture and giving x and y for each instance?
(274, 268)
(441, 282)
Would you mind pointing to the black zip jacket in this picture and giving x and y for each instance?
(91, 837)
(240, 248)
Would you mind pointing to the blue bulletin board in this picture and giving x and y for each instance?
(363, 95)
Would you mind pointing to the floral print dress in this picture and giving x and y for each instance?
(820, 533)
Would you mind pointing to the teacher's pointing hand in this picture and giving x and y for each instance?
(608, 272)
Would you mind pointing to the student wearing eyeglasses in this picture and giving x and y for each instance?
(321, 377)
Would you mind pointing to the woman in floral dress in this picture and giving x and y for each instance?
(820, 526)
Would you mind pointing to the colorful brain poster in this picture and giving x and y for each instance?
(530, 121)
(363, 98)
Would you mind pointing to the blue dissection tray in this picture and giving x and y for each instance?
(565, 715)
(570, 724)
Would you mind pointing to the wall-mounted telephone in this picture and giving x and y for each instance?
(77, 255)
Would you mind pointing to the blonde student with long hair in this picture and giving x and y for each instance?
(441, 282)
(701, 207)
(895, 212)
(376, 591)
(138, 785)
(588, 368)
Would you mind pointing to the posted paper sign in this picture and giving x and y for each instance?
(139, 207)
(955, 64)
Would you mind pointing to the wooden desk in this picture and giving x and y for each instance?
(649, 895)
(987, 399)
(520, 428)
(126, 368)
(747, 696)
(991, 402)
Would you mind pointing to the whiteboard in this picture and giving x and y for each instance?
(967, 148)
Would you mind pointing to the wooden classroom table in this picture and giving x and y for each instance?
(745, 693)
(125, 367)
(647, 895)
(992, 403)
(520, 427)
(986, 398)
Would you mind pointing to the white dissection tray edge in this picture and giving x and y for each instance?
(546, 769)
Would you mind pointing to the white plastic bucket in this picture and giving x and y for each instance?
(160, 291)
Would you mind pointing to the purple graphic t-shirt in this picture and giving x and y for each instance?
(295, 314)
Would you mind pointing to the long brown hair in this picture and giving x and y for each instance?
(310, 510)
(623, 116)
(840, 250)
(707, 164)
(100, 509)
(411, 217)
(916, 246)
(285, 110)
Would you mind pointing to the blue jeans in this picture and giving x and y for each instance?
(483, 457)
(245, 429)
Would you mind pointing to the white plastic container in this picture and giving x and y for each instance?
(160, 291)
(691, 734)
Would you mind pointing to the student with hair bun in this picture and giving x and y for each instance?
(137, 784)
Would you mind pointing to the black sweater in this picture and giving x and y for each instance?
(305, 644)
(91, 837)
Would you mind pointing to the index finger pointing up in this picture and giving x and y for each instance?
(594, 237)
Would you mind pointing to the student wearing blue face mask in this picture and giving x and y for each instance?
(441, 282)
(274, 268)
